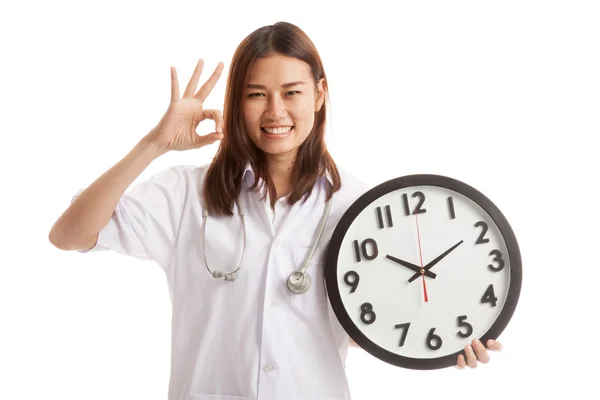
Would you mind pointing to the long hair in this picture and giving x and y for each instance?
(224, 176)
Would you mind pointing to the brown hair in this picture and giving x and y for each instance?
(224, 176)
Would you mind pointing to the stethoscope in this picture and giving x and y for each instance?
(298, 282)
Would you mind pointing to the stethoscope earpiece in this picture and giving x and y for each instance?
(227, 277)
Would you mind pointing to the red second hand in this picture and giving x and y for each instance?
(421, 256)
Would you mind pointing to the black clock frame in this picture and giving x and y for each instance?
(331, 276)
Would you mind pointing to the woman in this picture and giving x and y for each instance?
(248, 337)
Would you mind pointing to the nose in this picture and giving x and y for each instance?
(276, 108)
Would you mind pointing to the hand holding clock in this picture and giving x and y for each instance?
(475, 352)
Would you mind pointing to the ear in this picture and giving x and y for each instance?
(320, 96)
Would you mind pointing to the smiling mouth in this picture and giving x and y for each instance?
(277, 131)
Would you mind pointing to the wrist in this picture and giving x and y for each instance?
(150, 148)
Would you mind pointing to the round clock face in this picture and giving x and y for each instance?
(421, 265)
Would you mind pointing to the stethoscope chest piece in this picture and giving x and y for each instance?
(299, 282)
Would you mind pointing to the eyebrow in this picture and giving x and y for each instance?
(285, 85)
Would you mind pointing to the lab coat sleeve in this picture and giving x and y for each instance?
(146, 220)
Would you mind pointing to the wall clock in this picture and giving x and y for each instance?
(419, 266)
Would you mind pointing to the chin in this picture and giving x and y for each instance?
(278, 150)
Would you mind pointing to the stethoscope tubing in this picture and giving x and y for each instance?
(298, 282)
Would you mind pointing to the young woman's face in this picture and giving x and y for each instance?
(279, 104)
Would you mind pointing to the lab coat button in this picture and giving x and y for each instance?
(275, 303)
(270, 368)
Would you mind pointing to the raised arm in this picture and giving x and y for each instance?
(79, 225)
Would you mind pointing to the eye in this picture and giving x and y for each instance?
(293, 92)
(255, 94)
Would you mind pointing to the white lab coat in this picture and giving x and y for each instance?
(251, 338)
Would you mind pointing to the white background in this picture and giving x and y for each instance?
(502, 95)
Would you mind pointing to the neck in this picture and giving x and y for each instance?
(281, 170)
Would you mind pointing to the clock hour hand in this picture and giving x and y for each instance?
(410, 266)
(434, 261)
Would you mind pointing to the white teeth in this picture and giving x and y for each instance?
(278, 131)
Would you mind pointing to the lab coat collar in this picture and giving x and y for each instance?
(250, 172)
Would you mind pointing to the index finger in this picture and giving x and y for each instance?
(208, 86)
(174, 85)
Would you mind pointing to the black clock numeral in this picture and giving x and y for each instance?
(351, 279)
(497, 258)
(418, 209)
(404, 328)
(388, 214)
(369, 255)
(367, 314)
(462, 323)
(484, 228)
(489, 296)
(357, 251)
(433, 341)
(451, 208)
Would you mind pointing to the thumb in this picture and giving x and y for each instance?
(201, 141)
(494, 345)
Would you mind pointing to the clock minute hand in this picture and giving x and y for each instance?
(444, 254)
(434, 261)
(410, 266)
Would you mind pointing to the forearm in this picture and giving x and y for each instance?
(79, 225)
